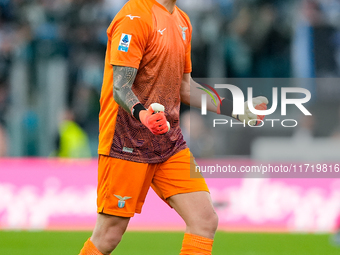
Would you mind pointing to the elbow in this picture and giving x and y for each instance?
(185, 98)
(116, 95)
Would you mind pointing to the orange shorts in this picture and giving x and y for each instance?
(123, 185)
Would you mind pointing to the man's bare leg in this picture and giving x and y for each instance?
(201, 220)
(106, 235)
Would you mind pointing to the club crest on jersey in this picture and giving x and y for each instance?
(183, 32)
(124, 42)
(121, 201)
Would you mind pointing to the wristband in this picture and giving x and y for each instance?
(226, 108)
(136, 110)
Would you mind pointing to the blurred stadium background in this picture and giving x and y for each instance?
(51, 66)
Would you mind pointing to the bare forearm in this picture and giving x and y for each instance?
(195, 95)
(191, 94)
(123, 78)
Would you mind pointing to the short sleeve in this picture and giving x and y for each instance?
(129, 37)
(188, 64)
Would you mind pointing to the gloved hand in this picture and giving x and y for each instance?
(154, 119)
(259, 103)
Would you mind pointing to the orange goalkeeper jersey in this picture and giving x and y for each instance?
(146, 36)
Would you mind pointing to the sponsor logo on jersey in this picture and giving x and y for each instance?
(125, 41)
(183, 32)
(132, 17)
(121, 201)
(161, 31)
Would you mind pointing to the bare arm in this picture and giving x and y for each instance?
(123, 78)
(191, 93)
(189, 86)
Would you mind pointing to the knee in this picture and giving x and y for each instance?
(110, 241)
(206, 225)
(211, 222)
(106, 240)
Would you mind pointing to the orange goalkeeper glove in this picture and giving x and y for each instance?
(154, 119)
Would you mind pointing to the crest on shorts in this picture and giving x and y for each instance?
(121, 201)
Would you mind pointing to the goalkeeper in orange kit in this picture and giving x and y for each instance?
(146, 77)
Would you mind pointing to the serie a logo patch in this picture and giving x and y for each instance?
(124, 42)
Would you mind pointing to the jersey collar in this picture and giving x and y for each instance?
(163, 7)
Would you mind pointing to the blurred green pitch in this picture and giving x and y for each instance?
(167, 243)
